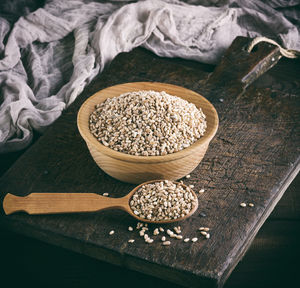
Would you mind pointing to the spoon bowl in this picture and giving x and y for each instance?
(129, 210)
(55, 203)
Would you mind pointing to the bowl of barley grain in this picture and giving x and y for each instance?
(143, 131)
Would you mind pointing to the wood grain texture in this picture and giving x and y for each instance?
(270, 262)
(138, 169)
(54, 203)
(252, 159)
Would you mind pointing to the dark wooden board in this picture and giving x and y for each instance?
(270, 262)
(253, 159)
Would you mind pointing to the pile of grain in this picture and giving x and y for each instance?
(162, 200)
(147, 123)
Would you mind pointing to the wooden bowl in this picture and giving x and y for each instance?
(138, 169)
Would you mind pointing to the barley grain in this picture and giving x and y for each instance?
(139, 225)
(162, 200)
(147, 123)
(177, 230)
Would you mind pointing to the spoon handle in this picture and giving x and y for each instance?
(51, 203)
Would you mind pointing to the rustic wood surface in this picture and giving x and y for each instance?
(271, 261)
(252, 159)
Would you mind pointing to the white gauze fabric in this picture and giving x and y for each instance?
(50, 55)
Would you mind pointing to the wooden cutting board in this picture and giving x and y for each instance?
(253, 158)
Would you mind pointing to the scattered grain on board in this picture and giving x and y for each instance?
(194, 239)
(243, 204)
(188, 176)
(139, 225)
(149, 240)
(147, 123)
(186, 240)
(131, 240)
(201, 190)
(162, 200)
(251, 205)
(207, 236)
(105, 194)
(130, 228)
(177, 230)
(111, 232)
(166, 243)
(156, 231)
(163, 238)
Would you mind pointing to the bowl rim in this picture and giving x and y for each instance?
(90, 139)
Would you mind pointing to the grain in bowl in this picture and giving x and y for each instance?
(147, 123)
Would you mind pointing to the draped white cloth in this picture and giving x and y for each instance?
(48, 56)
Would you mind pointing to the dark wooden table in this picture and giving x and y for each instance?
(269, 262)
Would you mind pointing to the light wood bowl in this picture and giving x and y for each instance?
(139, 169)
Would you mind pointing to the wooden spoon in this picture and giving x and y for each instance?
(52, 203)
